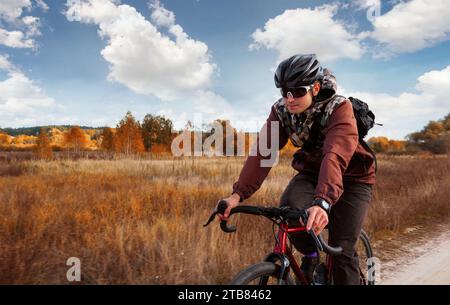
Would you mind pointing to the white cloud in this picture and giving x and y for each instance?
(21, 100)
(140, 56)
(20, 31)
(365, 4)
(5, 64)
(15, 39)
(412, 26)
(41, 4)
(32, 26)
(409, 112)
(308, 31)
(437, 83)
(161, 16)
(12, 9)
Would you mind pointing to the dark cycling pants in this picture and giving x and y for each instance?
(345, 223)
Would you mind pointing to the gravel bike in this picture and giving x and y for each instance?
(280, 267)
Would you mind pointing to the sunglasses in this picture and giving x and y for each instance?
(295, 91)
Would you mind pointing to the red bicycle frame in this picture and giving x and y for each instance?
(282, 249)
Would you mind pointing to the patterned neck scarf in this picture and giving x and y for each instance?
(299, 126)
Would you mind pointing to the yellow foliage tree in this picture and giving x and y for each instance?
(76, 139)
(57, 138)
(5, 139)
(43, 149)
(24, 141)
(396, 145)
(379, 144)
(128, 138)
(107, 139)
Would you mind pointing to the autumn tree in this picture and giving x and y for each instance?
(379, 144)
(5, 139)
(156, 130)
(397, 145)
(128, 138)
(43, 149)
(75, 138)
(434, 137)
(107, 139)
(446, 122)
(440, 145)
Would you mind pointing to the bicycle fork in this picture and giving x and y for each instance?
(284, 256)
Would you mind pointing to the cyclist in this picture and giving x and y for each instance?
(335, 172)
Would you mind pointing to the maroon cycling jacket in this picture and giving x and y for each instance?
(337, 156)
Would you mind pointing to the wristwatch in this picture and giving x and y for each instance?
(323, 204)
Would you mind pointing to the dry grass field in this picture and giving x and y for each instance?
(140, 221)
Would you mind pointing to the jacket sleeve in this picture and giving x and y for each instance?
(341, 140)
(253, 174)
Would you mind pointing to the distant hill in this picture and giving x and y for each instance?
(34, 131)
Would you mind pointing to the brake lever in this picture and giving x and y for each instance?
(316, 239)
(211, 218)
(220, 209)
(311, 232)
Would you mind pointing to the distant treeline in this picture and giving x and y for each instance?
(155, 134)
(433, 138)
(34, 131)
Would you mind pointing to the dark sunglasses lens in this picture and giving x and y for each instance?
(296, 92)
(299, 92)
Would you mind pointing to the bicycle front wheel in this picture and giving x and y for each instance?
(265, 273)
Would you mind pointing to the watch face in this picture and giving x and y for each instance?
(325, 205)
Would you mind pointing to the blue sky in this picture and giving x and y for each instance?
(87, 62)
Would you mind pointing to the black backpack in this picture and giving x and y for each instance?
(365, 120)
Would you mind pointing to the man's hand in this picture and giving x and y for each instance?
(317, 220)
(233, 201)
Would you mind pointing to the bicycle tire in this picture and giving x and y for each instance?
(258, 271)
(369, 254)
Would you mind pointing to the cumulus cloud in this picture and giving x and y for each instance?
(143, 58)
(437, 83)
(5, 64)
(41, 4)
(409, 112)
(308, 31)
(408, 27)
(365, 4)
(12, 9)
(411, 26)
(21, 100)
(15, 39)
(161, 16)
(17, 31)
(32, 26)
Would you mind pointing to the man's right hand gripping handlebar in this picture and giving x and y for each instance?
(232, 202)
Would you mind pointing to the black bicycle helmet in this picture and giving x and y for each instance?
(298, 70)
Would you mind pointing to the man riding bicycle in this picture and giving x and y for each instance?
(336, 173)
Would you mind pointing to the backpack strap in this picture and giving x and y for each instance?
(367, 147)
(329, 108)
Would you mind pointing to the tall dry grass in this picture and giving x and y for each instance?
(137, 221)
